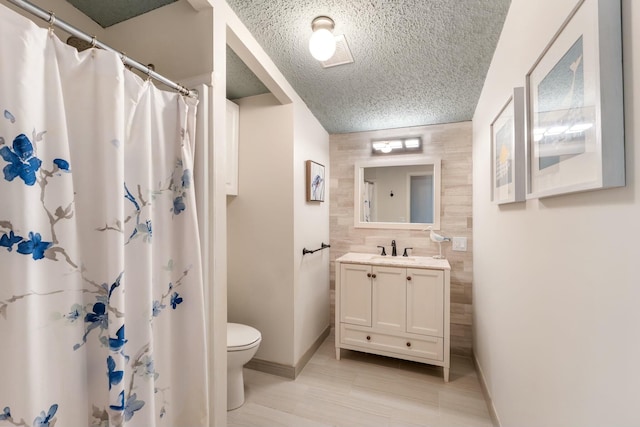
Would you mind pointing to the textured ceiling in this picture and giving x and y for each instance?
(417, 62)
(110, 12)
(241, 81)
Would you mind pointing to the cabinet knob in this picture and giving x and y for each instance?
(373, 275)
(408, 277)
(368, 274)
(368, 337)
(408, 344)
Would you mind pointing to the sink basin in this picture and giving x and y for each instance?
(392, 258)
(396, 261)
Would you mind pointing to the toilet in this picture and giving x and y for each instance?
(242, 343)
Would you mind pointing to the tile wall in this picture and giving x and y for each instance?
(453, 144)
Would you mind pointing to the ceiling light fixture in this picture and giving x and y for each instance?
(322, 43)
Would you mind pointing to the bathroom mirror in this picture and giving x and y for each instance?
(397, 194)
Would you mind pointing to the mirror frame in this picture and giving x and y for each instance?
(414, 161)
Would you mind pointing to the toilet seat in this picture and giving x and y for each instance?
(242, 337)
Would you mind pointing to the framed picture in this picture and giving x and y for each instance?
(315, 182)
(507, 151)
(575, 127)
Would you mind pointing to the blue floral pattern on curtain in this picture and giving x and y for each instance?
(101, 302)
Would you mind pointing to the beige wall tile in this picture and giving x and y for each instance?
(453, 144)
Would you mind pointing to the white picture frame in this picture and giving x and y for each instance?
(575, 117)
(508, 169)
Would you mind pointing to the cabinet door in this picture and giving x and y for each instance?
(389, 298)
(425, 302)
(233, 124)
(355, 294)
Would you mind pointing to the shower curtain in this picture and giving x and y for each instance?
(368, 202)
(101, 299)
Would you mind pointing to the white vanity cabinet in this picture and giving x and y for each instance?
(394, 307)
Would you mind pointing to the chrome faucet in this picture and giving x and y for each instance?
(394, 252)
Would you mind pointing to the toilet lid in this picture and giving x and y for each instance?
(241, 335)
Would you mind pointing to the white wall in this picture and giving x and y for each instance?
(390, 209)
(271, 286)
(177, 39)
(305, 305)
(260, 229)
(555, 289)
(65, 11)
(311, 228)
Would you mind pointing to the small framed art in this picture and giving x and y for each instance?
(315, 182)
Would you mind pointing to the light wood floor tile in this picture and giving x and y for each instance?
(330, 378)
(363, 390)
(252, 415)
(342, 411)
(272, 391)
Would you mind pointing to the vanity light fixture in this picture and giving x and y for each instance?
(397, 146)
(383, 147)
(412, 143)
(322, 43)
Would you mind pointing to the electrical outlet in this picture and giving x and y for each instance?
(459, 244)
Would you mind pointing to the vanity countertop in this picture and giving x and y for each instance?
(395, 261)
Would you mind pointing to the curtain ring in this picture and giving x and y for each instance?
(52, 21)
(93, 42)
(182, 90)
(150, 68)
(124, 58)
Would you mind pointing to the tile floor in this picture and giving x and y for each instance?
(363, 390)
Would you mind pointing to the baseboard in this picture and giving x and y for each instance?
(310, 352)
(485, 391)
(272, 368)
(287, 371)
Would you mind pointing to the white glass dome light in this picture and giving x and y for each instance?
(322, 43)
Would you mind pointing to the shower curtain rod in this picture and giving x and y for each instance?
(53, 21)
